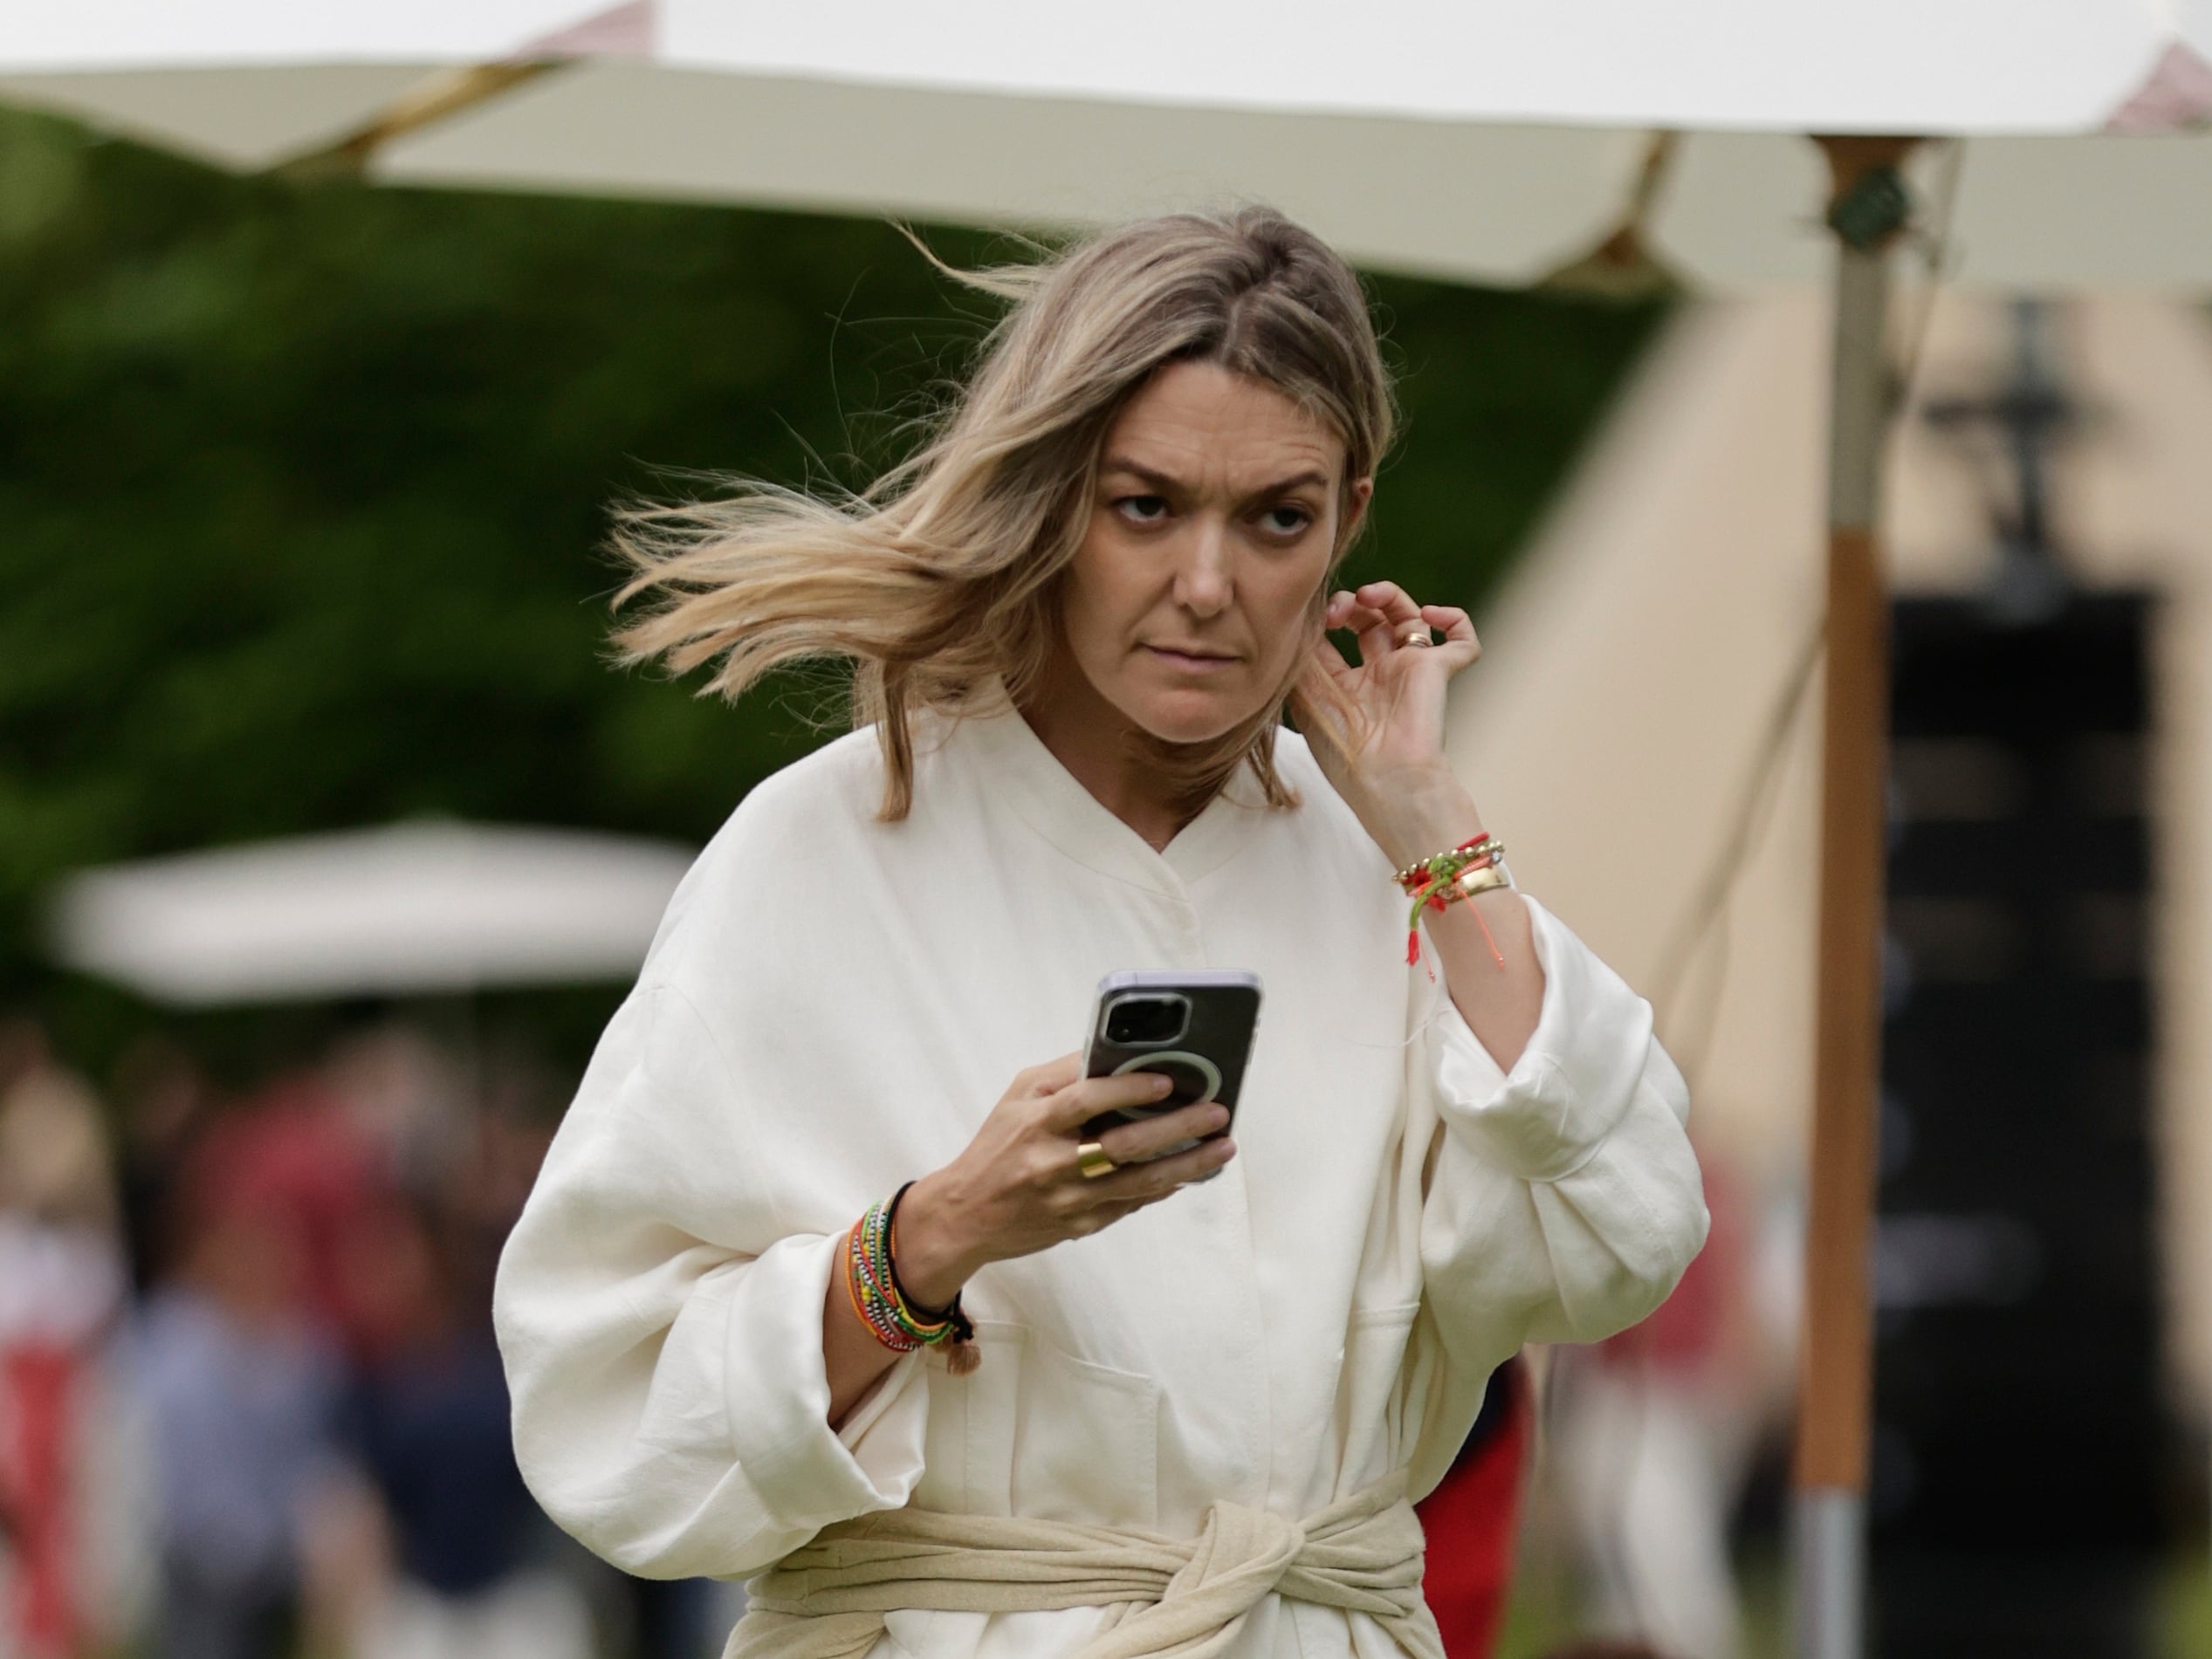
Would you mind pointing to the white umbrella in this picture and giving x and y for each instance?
(1492, 141)
(413, 909)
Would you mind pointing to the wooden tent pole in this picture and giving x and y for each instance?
(1867, 209)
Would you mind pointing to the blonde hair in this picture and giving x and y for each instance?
(939, 583)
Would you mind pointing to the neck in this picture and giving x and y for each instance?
(1114, 761)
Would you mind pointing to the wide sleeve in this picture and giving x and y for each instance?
(661, 1326)
(1563, 1201)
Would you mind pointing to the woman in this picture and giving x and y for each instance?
(1075, 620)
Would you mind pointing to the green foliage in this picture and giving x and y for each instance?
(301, 491)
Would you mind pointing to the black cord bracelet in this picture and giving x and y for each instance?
(962, 1331)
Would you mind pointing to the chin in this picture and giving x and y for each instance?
(1189, 716)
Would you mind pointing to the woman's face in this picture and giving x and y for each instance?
(1220, 503)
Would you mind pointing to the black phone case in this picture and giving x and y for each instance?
(1223, 1019)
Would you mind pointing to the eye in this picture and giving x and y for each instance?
(1287, 519)
(1141, 510)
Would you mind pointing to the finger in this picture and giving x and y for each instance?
(1353, 617)
(1084, 1098)
(1397, 615)
(1393, 601)
(1135, 1142)
(1460, 646)
(1039, 1081)
(1337, 613)
(1455, 624)
(1378, 634)
(1146, 1183)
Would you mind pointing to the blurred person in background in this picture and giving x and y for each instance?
(1653, 1430)
(461, 1569)
(405, 1101)
(1473, 1519)
(242, 1385)
(330, 1148)
(74, 1544)
(794, 1299)
(163, 1101)
(466, 1576)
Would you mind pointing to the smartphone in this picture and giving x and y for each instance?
(1197, 1028)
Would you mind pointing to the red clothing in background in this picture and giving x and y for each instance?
(1473, 1519)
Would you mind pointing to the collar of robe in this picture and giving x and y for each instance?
(1051, 801)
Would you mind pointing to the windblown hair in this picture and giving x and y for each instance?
(939, 584)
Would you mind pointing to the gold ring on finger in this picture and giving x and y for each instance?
(1091, 1158)
(1417, 635)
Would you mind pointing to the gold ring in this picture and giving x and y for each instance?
(1091, 1158)
(1419, 636)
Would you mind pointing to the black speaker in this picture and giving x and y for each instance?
(2018, 1419)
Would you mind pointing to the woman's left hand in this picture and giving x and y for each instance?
(1390, 769)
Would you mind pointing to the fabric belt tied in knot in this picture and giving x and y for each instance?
(1188, 1597)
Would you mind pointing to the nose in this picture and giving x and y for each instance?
(1204, 584)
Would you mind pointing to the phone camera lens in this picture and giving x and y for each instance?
(1146, 1021)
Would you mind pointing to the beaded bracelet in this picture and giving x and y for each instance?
(1476, 849)
(871, 1283)
(1476, 865)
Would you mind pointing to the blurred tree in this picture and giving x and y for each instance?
(301, 491)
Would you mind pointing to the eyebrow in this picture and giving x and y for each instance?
(1168, 486)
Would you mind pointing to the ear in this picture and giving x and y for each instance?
(1357, 494)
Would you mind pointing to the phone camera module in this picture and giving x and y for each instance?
(1147, 1021)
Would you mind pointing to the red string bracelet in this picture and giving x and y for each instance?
(1434, 882)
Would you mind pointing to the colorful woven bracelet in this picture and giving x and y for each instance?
(1480, 849)
(869, 1304)
(874, 1292)
(1431, 883)
(871, 1283)
(951, 1314)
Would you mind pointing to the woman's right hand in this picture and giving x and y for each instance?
(1018, 1188)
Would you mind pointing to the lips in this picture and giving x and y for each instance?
(1195, 658)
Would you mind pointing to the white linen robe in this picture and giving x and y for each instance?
(831, 1007)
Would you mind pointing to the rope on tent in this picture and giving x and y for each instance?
(1706, 916)
(1690, 1024)
(1937, 254)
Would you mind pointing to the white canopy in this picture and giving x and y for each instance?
(1836, 66)
(1494, 142)
(416, 907)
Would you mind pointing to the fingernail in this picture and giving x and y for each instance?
(1216, 1117)
(1161, 1084)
